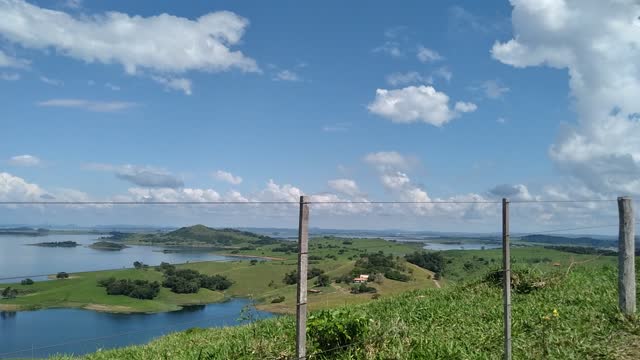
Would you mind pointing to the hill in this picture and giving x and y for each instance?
(200, 235)
(458, 322)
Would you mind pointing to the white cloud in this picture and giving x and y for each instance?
(513, 192)
(287, 75)
(174, 83)
(96, 106)
(9, 76)
(145, 176)
(73, 4)
(50, 81)
(389, 160)
(417, 104)
(12, 62)
(162, 43)
(24, 160)
(345, 186)
(494, 89)
(427, 55)
(227, 177)
(13, 188)
(598, 43)
(501, 120)
(411, 77)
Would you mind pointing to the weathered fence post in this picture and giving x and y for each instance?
(301, 302)
(506, 278)
(626, 257)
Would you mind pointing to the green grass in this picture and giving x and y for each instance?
(463, 321)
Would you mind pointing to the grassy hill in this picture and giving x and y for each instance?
(200, 235)
(463, 321)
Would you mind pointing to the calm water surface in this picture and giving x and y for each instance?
(39, 333)
(18, 259)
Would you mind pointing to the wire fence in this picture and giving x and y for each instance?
(47, 348)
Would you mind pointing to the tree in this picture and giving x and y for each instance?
(26, 282)
(323, 280)
(253, 262)
(138, 264)
(291, 277)
(62, 275)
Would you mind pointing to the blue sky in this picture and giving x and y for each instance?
(425, 101)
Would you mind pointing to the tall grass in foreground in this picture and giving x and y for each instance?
(574, 317)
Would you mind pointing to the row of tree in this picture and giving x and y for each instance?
(188, 281)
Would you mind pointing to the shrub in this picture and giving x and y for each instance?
(291, 277)
(333, 330)
(523, 279)
(362, 288)
(315, 257)
(396, 275)
(26, 282)
(62, 275)
(9, 293)
(314, 272)
(277, 300)
(253, 262)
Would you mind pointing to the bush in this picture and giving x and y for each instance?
(277, 300)
(9, 293)
(314, 272)
(362, 288)
(523, 279)
(62, 275)
(291, 277)
(253, 262)
(396, 275)
(26, 282)
(166, 268)
(331, 331)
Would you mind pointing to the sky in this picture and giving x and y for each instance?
(357, 101)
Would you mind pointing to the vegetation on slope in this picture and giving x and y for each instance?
(63, 244)
(107, 245)
(199, 235)
(575, 317)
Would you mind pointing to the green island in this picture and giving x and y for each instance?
(107, 245)
(63, 244)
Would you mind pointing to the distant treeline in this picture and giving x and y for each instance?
(24, 231)
(563, 240)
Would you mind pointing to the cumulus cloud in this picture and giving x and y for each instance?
(13, 188)
(161, 44)
(345, 186)
(227, 177)
(144, 176)
(89, 105)
(24, 160)
(513, 192)
(389, 160)
(598, 43)
(426, 55)
(417, 104)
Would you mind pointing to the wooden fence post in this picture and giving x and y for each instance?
(506, 278)
(301, 301)
(626, 258)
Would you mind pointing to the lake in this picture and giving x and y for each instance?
(28, 334)
(17, 259)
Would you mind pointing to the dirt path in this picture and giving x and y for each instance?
(437, 283)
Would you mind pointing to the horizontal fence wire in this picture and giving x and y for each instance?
(346, 202)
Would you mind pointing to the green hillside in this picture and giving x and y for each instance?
(200, 235)
(458, 322)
